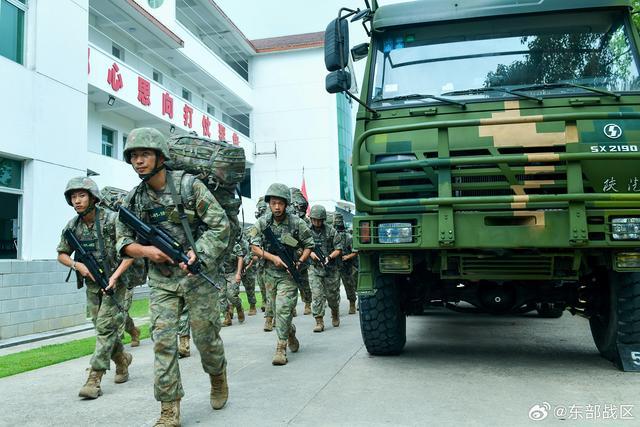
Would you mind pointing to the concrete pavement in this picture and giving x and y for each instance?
(457, 370)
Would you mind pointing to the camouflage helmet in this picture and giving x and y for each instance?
(297, 198)
(318, 212)
(261, 207)
(112, 197)
(330, 218)
(338, 220)
(81, 183)
(146, 138)
(278, 190)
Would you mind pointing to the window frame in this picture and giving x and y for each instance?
(24, 8)
(20, 193)
(113, 147)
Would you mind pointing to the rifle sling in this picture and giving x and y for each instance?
(183, 216)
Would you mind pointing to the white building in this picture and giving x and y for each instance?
(79, 75)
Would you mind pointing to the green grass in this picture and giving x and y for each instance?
(47, 355)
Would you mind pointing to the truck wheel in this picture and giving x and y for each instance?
(617, 318)
(382, 321)
(550, 310)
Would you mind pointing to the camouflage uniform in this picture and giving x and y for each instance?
(105, 315)
(171, 288)
(346, 268)
(230, 290)
(325, 281)
(280, 285)
(249, 274)
(261, 209)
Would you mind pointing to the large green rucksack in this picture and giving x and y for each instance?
(136, 275)
(220, 165)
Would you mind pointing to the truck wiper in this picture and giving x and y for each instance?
(420, 96)
(482, 90)
(542, 86)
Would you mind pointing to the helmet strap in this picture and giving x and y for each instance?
(147, 176)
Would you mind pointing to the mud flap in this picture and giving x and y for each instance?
(629, 357)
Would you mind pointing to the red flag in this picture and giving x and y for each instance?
(303, 189)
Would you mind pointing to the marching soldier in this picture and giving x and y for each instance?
(156, 200)
(289, 234)
(95, 229)
(230, 292)
(347, 266)
(300, 206)
(324, 277)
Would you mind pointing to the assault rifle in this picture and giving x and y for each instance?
(156, 236)
(285, 255)
(323, 258)
(92, 265)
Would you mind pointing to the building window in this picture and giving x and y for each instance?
(240, 122)
(117, 51)
(107, 142)
(186, 95)
(157, 76)
(10, 198)
(211, 110)
(12, 14)
(245, 185)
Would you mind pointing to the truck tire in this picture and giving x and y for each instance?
(382, 321)
(618, 319)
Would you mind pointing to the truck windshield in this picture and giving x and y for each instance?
(530, 55)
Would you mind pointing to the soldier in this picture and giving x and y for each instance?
(292, 233)
(249, 276)
(324, 277)
(347, 266)
(230, 292)
(157, 200)
(111, 198)
(300, 206)
(95, 229)
(261, 209)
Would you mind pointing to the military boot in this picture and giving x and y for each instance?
(135, 337)
(219, 390)
(294, 344)
(227, 319)
(262, 308)
(123, 360)
(294, 312)
(252, 310)
(335, 318)
(240, 314)
(230, 310)
(169, 414)
(352, 307)
(280, 357)
(91, 389)
(183, 347)
(268, 324)
(319, 324)
(307, 308)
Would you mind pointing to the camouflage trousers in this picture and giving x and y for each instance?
(107, 319)
(249, 283)
(263, 290)
(230, 292)
(128, 325)
(183, 323)
(349, 281)
(166, 307)
(325, 289)
(283, 294)
(305, 287)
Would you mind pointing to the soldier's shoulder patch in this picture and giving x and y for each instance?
(203, 206)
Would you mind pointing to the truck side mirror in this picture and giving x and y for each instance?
(336, 45)
(338, 81)
(360, 51)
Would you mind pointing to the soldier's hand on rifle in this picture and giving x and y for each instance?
(344, 258)
(192, 258)
(277, 261)
(84, 271)
(113, 282)
(156, 255)
(315, 257)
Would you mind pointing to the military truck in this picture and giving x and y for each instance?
(496, 165)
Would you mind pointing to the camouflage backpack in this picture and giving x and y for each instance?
(136, 275)
(220, 165)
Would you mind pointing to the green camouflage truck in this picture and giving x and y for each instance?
(496, 165)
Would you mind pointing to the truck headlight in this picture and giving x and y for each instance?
(625, 228)
(395, 232)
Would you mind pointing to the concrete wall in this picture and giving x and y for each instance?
(35, 298)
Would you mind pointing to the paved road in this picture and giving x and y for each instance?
(457, 370)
